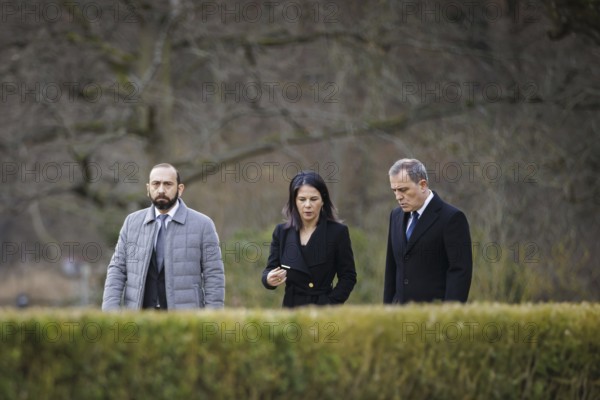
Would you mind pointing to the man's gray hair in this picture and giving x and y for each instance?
(414, 168)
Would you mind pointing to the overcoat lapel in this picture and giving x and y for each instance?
(430, 215)
(400, 227)
(316, 249)
(291, 254)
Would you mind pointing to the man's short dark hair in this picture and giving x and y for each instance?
(167, 165)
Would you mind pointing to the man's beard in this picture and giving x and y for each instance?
(165, 205)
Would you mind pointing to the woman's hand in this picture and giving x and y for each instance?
(277, 276)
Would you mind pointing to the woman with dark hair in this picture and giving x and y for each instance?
(311, 248)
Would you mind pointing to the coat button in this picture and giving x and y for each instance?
(311, 285)
(405, 258)
(406, 281)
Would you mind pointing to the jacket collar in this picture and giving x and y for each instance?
(180, 215)
(315, 250)
(429, 216)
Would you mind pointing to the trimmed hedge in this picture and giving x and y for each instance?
(448, 351)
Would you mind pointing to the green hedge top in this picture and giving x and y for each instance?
(446, 351)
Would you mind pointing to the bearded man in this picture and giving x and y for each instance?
(167, 256)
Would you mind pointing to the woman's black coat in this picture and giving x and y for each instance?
(310, 280)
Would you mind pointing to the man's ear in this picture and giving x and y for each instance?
(180, 188)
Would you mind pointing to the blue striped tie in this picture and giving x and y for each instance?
(413, 222)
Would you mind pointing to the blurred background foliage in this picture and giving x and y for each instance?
(499, 99)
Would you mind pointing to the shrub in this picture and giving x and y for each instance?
(449, 351)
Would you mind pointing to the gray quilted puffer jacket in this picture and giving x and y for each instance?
(194, 273)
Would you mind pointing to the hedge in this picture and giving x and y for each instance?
(447, 351)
